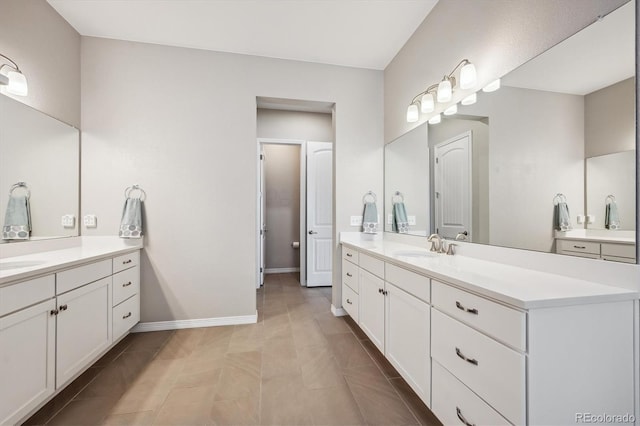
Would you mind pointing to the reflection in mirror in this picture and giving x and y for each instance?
(45, 154)
(497, 164)
(611, 181)
(406, 163)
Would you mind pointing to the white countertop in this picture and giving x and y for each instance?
(598, 235)
(19, 268)
(516, 286)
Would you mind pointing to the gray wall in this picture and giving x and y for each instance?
(280, 124)
(496, 35)
(282, 188)
(47, 50)
(610, 121)
(192, 147)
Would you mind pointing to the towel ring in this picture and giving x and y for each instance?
(129, 190)
(559, 198)
(610, 199)
(20, 185)
(397, 194)
(369, 194)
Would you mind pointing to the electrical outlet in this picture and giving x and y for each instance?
(90, 221)
(411, 220)
(356, 220)
(68, 221)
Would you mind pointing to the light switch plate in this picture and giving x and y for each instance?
(580, 218)
(90, 221)
(356, 220)
(389, 219)
(68, 221)
(412, 220)
(591, 218)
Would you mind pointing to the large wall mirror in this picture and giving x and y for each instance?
(44, 153)
(562, 123)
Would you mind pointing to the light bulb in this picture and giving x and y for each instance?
(444, 91)
(470, 100)
(427, 104)
(468, 76)
(451, 110)
(435, 119)
(17, 84)
(412, 113)
(492, 87)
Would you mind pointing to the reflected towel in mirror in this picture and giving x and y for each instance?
(131, 223)
(561, 217)
(370, 218)
(17, 219)
(611, 217)
(400, 224)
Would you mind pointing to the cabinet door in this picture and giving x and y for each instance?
(407, 337)
(27, 357)
(371, 312)
(83, 329)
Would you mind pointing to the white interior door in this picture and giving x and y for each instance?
(319, 213)
(453, 186)
(263, 225)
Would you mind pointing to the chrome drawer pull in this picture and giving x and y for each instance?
(126, 284)
(54, 312)
(462, 419)
(349, 255)
(63, 307)
(349, 302)
(462, 308)
(469, 360)
(127, 316)
(127, 261)
(580, 247)
(349, 275)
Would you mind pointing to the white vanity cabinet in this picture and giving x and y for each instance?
(53, 327)
(593, 249)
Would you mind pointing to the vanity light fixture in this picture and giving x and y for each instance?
(435, 119)
(12, 77)
(492, 87)
(470, 100)
(412, 113)
(442, 91)
(451, 110)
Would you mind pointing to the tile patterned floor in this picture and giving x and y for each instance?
(299, 365)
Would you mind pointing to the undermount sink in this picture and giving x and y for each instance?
(19, 264)
(414, 253)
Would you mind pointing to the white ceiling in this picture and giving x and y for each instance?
(594, 58)
(357, 33)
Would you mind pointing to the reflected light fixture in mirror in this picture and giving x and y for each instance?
(435, 119)
(470, 100)
(492, 87)
(13, 78)
(443, 90)
(451, 110)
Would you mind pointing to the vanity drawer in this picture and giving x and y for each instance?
(454, 403)
(579, 246)
(490, 369)
(415, 284)
(126, 284)
(371, 264)
(350, 254)
(125, 316)
(77, 277)
(126, 261)
(26, 293)
(350, 302)
(619, 250)
(505, 324)
(350, 275)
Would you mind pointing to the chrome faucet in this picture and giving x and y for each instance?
(436, 243)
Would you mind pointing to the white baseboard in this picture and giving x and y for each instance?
(194, 323)
(280, 270)
(338, 312)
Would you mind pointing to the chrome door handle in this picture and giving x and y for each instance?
(312, 232)
(462, 308)
(462, 419)
(469, 360)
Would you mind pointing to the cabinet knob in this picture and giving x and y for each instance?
(127, 261)
(462, 419)
(462, 308)
(127, 316)
(469, 360)
(63, 307)
(126, 284)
